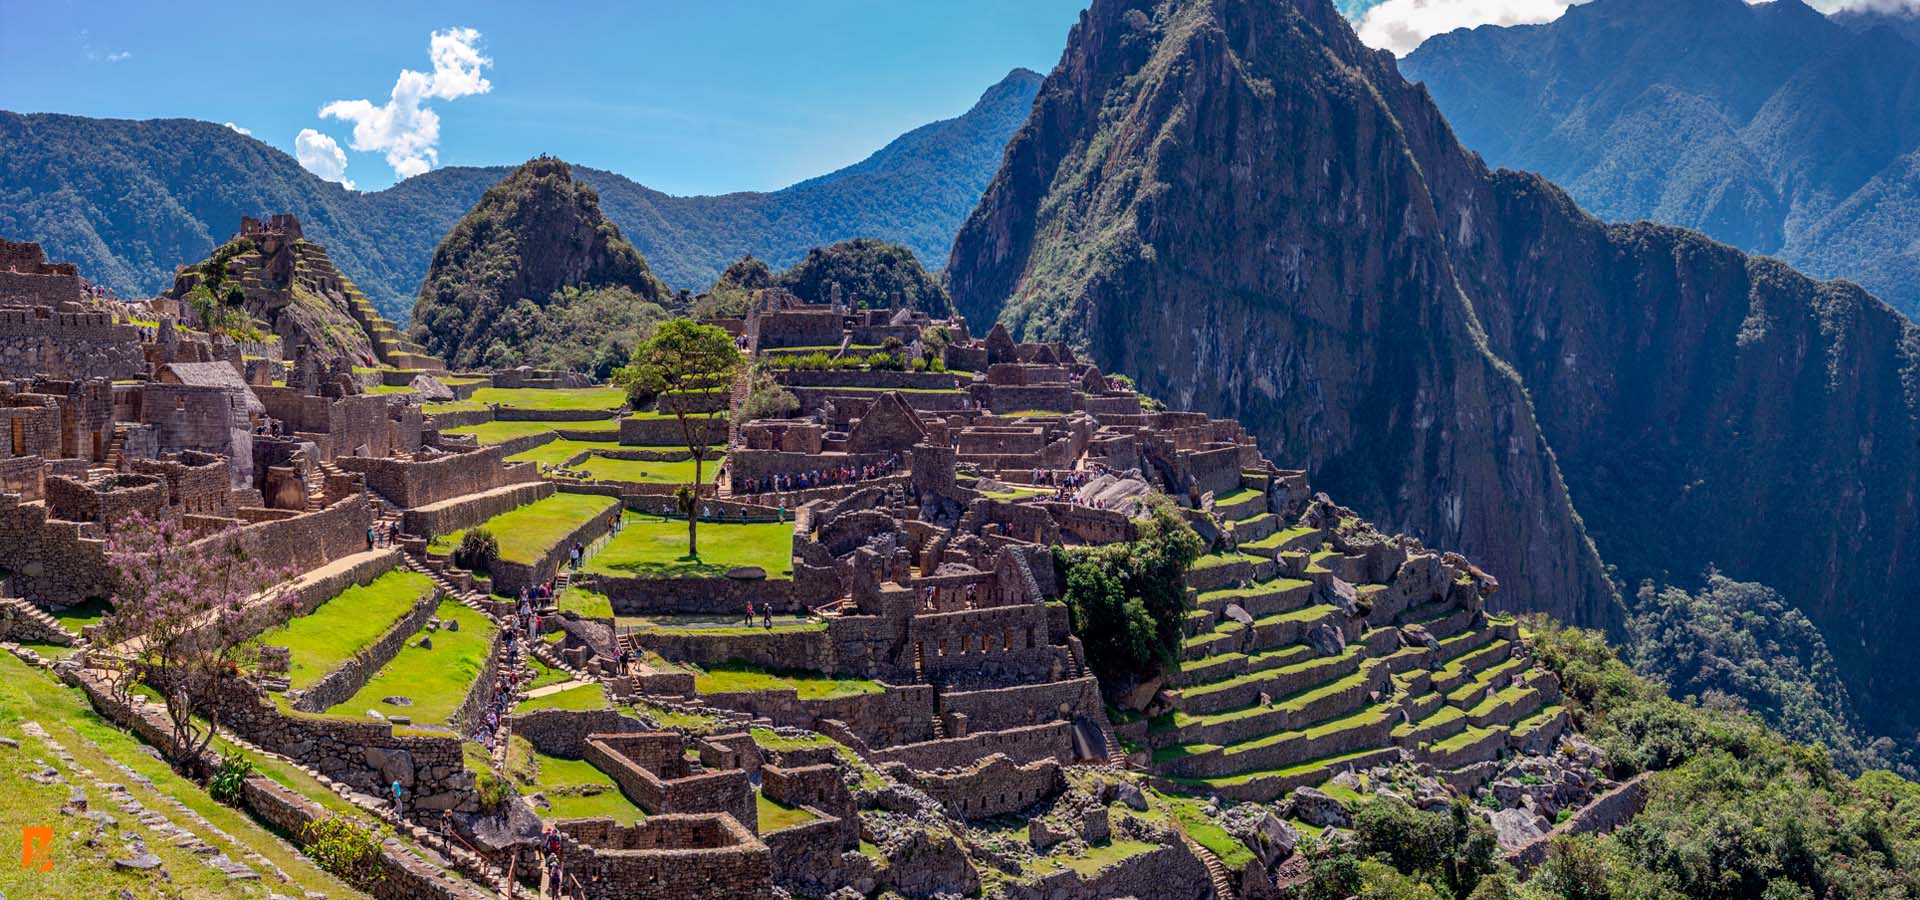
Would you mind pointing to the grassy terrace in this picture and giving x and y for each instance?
(775, 815)
(583, 697)
(1277, 539)
(437, 680)
(1226, 559)
(585, 603)
(345, 625)
(608, 469)
(81, 870)
(1229, 626)
(452, 406)
(655, 547)
(560, 450)
(809, 685)
(1190, 811)
(1325, 763)
(489, 433)
(531, 530)
(568, 399)
(574, 788)
(715, 625)
(1292, 703)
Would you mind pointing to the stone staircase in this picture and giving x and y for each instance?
(390, 345)
(117, 449)
(1216, 870)
(24, 619)
(470, 599)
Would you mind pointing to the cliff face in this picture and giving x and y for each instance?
(536, 232)
(1237, 204)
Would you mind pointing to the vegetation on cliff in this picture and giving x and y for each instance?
(535, 274)
(1739, 645)
(869, 274)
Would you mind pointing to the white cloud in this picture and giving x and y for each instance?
(407, 131)
(1891, 7)
(321, 155)
(121, 56)
(97, 55)
(1400, 25)
(246, 131)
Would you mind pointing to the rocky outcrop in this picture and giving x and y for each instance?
(1240, 206)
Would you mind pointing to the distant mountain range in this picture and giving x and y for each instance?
(1771, 127)
(129, 200)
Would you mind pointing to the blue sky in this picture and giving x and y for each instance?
(698, 97)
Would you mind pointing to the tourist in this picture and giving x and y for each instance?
(766, 615)
(369, 537)
(749, 622)
(396, 796)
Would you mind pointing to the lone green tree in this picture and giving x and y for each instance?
(687, 369)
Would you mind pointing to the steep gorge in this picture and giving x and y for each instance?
(1242, 207)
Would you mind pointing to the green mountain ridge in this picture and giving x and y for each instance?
(130, 200)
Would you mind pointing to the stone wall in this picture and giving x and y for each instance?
(665, 431)
(466, 511)
(404, 876)
(1607, 812)
(635, 596)
(24, 476)
(1001, 709)
(991, 787)
(900, 714)
(1030, 743)
(412, 483)
(49, 559)
(563, 732)
(857, 378)
(808, 649)
(309, 541)
(37, 341)
(684, 857)
(652, 772)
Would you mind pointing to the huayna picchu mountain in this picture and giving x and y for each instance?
(500, 274)
(1237, 204)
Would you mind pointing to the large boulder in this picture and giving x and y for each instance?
(926, 864)
(1272, 839)
(1518, 827)
(430, 389)
(1319, 810)
(1327, 640)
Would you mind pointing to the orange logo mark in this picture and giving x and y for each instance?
(36, 847)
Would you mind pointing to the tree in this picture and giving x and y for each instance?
(767, 400)
(686, 368)
(180, 616)
(1127, 601)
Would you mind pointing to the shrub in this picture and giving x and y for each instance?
(884, 362)
(346, 848)
(478, 550)
(230, 778)
(1126, 601)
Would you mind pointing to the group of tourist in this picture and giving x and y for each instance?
(503, 690)
(813, 478)
(378, 536)
(526, 618)
(766, 615)
(269, 426)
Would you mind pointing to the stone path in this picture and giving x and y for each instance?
(198, 836)
(556, 688)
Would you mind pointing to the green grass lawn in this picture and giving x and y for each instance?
(489, 433)
(1203, 829)
(74, 618)
(573, 788)
(437, 680)
(584, 697)
(81, 870)
(346, 624)
(559, 450)
(544, 675)
(389, 389)
(658, 547)
(775, 815)
(585, 603)
(452, 406)
(538, 398)
(700, 623)
(529, 531)
(609, 469)
(810, 685)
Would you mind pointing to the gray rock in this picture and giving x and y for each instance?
(1517, 827)
(1126, 792)
(1327, 640)
(426, 643)
(453, 624)
(1043, 834)
(397, 701)
(1319, 810)
(1096, 827)
(1272, 839)
(141, 863)
(393, 764)
(430, 389)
